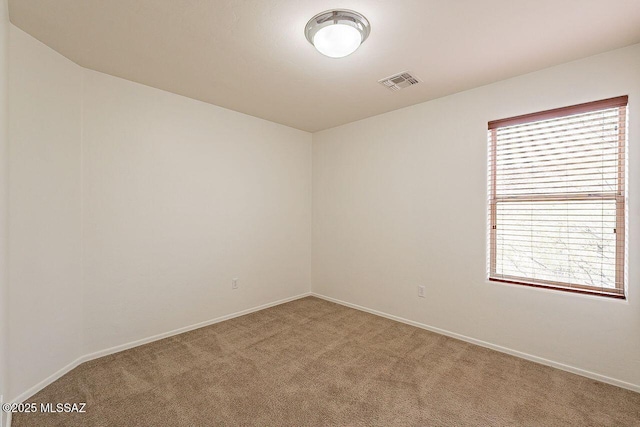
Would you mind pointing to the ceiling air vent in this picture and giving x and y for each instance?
(399, 81)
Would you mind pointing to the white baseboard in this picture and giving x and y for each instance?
(42, 384)
(542, 361)
(140, 342)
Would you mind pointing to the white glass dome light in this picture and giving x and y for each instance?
(337, 41)
(337, 33)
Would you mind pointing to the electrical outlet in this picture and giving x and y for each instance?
(234, 283)
(421, 291)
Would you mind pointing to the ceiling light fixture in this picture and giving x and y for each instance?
(337, 33)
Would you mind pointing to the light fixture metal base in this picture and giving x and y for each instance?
(337, 16)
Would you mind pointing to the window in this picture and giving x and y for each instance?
(557, 198)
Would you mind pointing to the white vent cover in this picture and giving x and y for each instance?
(399, 81)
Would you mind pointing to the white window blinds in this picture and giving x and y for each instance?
(557, 198)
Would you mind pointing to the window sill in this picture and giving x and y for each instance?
(561, 289)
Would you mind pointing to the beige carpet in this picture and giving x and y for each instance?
(315, 363)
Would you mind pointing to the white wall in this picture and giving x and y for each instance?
(4, 205)
(179, 198)
(44, 219)
(133, 208)
(399, 200)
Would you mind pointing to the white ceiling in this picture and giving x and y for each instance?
(252, 56)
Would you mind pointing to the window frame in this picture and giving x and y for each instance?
(619, 196)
